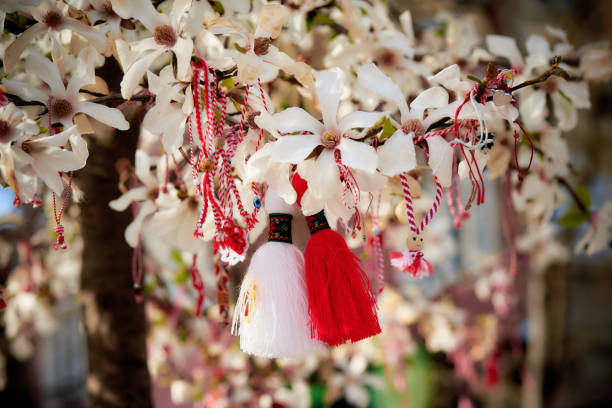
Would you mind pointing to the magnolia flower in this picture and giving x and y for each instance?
(304, 134)
(566, 96)
(397, 155)
(145, 195)
(173, 105)
(260, 60)
(138, 56)
(13, 123)
(177, 215)
(597, 237)
(168, 212)
(46, 157)
(64, 101)
(537, 197)
(101, 11)
(52, 17)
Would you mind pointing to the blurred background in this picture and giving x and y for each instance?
(544, 341)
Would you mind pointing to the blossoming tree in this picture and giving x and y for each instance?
(179, 127)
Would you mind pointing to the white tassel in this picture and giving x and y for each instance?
(271, 315)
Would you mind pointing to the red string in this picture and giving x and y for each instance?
(198, 285)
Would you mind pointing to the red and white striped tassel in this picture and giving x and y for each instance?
(411, 260)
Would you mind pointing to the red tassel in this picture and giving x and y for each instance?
(341, 304)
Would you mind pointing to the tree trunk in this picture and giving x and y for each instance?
(115, 322)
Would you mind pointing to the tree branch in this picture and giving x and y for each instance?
(573, 193)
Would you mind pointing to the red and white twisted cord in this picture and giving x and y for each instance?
(408, 199)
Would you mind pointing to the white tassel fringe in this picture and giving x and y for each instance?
(271, 314)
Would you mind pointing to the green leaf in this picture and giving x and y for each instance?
(387, 130)
(441, 31)
(584, 196)
(317, 395)
(573, 218)
(364, 255)
(318, 19)
(228, 83)
(176, 256)
(218, 7)
(182, 276)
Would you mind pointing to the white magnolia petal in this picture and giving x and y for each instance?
(335, 208)
(56, 140)
(447, 77)
(372, 78)
(578, 92)
(25, 91)
(46, 71)
(143, 10)
(405, 20)
(136, 71)
(369, 182)
(95, 37)
(397, 155)
(258, 163)
(329, 89)
(565, 112)
(110, 116)
(311, 204)
(505, 47)
(57, 159)
(266, 121)
(183, 50)
(537, 45)
(143, 169)
(321, 174)
(48, 174)
(132, 232)
(533, 109)
(296, 119)
(174, 130)
(124, 201)
(359, 119)
(79, 148)
(293, 148)
(136, 49)
(441, 159)
(278, 179)
(434, 97)
(179, 7)
(358, 155)
(14, 51)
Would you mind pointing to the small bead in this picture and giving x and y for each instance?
(376, 230)
(257, 202)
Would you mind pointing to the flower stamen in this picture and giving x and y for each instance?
(414, 125)
(61, 108)
(52, 19)
(165, 35)
(330, 139)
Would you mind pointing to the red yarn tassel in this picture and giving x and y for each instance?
(341, 304)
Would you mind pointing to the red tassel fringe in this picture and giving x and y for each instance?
(340, 299)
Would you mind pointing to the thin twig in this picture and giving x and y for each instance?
(573, 193)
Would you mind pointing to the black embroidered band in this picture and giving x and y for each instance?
(317, 222)
(280, 227)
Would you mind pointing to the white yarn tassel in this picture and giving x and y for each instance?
(271, 315)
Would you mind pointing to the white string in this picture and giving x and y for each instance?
(482, 140)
